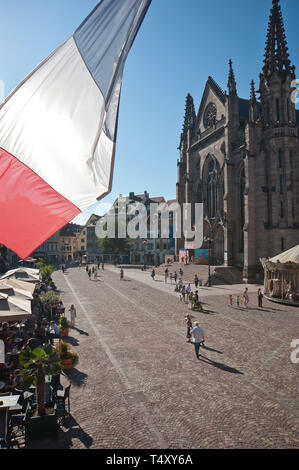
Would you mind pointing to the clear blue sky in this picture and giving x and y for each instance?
(180, 44)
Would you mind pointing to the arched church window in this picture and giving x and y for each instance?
(242, 208)
(212, 190)
(278, 109)
(280, 158)
(198, 167)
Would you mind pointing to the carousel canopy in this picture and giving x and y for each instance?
(289, 256)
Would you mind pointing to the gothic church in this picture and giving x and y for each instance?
(240, 159)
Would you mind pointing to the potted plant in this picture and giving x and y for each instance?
(67, 357)
(49, 301)
(36, 365)
(64, 327)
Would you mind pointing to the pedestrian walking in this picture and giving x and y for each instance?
(95, 274)
(238, 300)
(188, 289)
(181, 272)
(260, 298)
(184, 293)
(180, 285)
(231, 300)
(103, 266)
(93, 270)
(175, 276)
(73, 315)
(190, 299)
(121, 274)
(246, 297)
(89, 274)
(170, 277)
(196, 280)
(153, 274)
(198, 337)
(166, 274)
(189, 328)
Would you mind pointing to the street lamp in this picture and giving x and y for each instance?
(144, 264)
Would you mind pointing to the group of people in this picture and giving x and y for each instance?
(243, 300)
(93, 271)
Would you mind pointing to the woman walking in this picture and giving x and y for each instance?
(184, 293)
(246, 297)
(153, 274)
(73, 315)
(196, 281)
(189, 328)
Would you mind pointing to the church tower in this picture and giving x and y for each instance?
(239, 157)
(272, 155)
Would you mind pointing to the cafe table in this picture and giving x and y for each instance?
(6, 403)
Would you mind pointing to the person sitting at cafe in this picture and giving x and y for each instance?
(61, 308)
(14, 382)
(53, 332)
(9, 343)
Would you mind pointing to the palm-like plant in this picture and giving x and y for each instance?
(36, 364)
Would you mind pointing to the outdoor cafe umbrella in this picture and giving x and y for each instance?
(14, 309)
(14, 287)
(25, 274)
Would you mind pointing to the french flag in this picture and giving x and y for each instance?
(58, 128)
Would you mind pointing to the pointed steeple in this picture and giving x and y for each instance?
(252, 92)
(253, 104)
(190, 117)
(276, 53)
(232, 85)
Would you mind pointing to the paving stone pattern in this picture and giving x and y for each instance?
(138, 384)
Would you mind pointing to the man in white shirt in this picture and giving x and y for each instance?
(197, 337)
(53, 332)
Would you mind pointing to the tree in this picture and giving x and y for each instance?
(36, 364)
(46, 272)
(115, 245)
(49, 300)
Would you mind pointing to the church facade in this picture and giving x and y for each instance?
(240, 159)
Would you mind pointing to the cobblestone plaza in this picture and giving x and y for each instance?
(138, 384)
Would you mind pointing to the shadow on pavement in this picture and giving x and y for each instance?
(209, 312)
(81, 332)
(72, 341)
(219, 365)
(211, 349)
(75, 377)
(74, 431)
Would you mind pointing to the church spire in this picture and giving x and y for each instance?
(276, 53)
(190, 117)
(232, 85)
(252, 92)
(253, 104)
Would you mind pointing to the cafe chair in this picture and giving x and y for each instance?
(63, 398)
(55, 384)
(19, 421)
